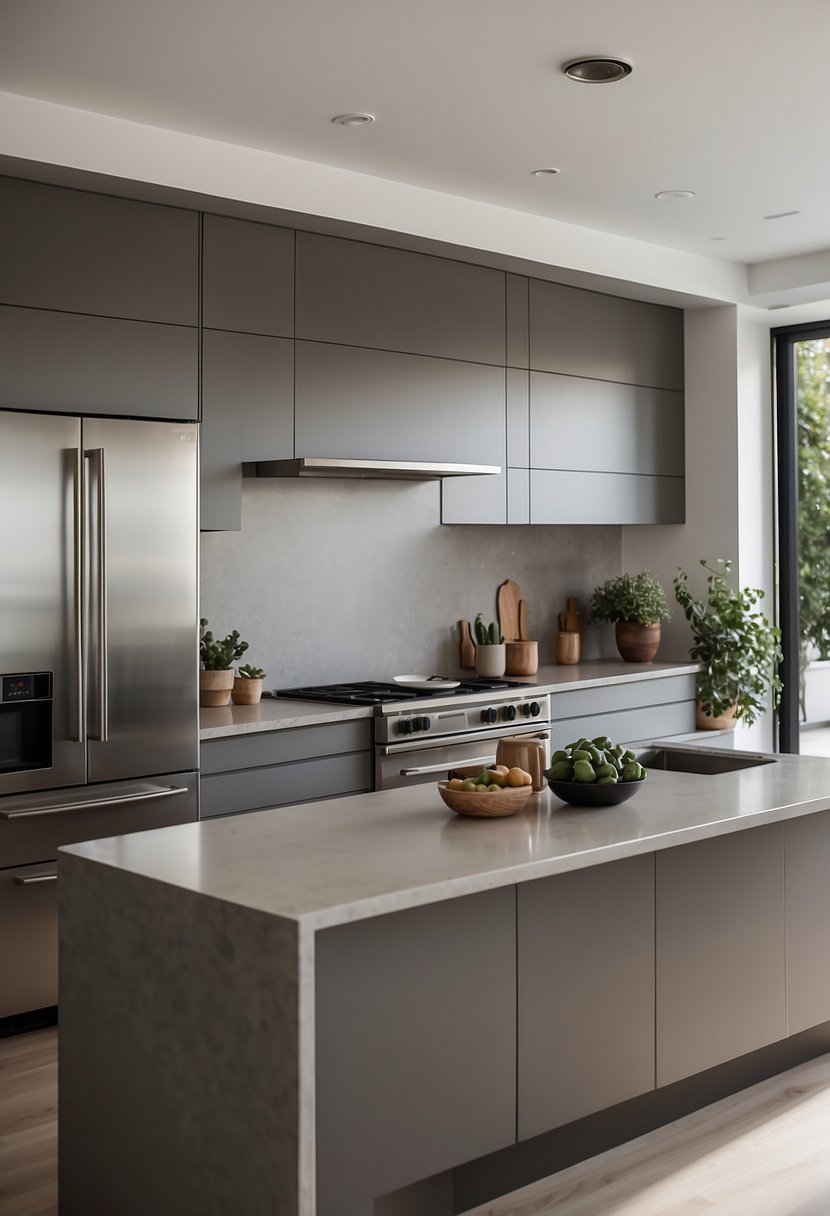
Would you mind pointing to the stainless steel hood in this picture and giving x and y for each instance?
(389, 470)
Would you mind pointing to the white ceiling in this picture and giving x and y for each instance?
(727, 98)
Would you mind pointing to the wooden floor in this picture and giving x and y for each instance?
(762, 1152)
(29, 1124)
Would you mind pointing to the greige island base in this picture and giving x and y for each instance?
(293, 1012)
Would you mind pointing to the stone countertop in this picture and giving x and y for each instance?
(332, 862)
(278, 714)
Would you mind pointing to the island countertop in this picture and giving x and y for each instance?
(347, 859)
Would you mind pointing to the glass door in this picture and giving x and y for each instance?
(802, 360)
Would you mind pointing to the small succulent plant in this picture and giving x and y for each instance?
(218, 654)
(487, 635)
(248, 672)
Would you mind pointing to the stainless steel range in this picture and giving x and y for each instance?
(420, 737)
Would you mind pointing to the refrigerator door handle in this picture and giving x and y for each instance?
(78, 594)
(94, 804)
(102, 660)
(28, 880)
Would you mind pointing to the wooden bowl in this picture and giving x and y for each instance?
(495, 804)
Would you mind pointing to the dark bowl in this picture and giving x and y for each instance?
(587, 793)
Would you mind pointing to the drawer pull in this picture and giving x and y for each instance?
(68, 807)
(28, 880)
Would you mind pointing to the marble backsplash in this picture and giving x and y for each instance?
(340, 580)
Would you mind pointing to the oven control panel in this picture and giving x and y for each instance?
(481, 716)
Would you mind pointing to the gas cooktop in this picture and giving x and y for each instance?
(375, 692)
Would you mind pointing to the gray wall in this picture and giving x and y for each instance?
(359, 580)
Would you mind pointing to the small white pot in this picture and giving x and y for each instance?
(491, 660)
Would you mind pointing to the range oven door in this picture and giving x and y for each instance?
(421, 761)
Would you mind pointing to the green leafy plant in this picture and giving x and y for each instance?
(248, 672)
(487, 635)
(630, 597)
(218, 654)
(739, 649)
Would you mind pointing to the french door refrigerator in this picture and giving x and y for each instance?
(98, 657)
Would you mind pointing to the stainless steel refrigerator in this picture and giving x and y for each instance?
(98, 657)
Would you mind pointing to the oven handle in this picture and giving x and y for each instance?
(63, 808)
(426, 742)
(445, 767)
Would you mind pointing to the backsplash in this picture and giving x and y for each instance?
(339, 580)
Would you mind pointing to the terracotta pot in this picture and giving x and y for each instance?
(491, 660)
(215, 687)
(637, 643)
(724, 721)
(247, 691)
(521, 658)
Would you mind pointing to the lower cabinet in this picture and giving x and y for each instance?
(282, 767)
(415, 1046)
(631, 713)
(720, 950)
(806, 855)
(586, 992)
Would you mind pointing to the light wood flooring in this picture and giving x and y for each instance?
(762, 1152)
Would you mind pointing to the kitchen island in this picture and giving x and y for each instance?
(296, 1011)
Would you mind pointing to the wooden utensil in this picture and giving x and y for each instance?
(508, 604)
(467, 648)
(570, 620)
(523, 612)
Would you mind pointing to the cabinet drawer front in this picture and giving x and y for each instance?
(385, 406)
(38, 837)
(90, 253)
(584, 333)
(248, 276)
(612, 697)
(284, 746)
(595, 425)
(394, 299)
(68, 363)
(28, 939)
(565, 497)
(285, 784)
(807, 846)
(627, 725)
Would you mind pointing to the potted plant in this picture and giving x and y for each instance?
(636, 605)
(738, 647)
(247, 685)
(217, 657)
(491, 653)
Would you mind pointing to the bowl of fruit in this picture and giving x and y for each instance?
(491, 793)
(595, 772)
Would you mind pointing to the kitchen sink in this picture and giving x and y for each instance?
(681, 760)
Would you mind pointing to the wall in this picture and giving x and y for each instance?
(339, 580)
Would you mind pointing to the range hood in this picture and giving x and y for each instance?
(388, 470)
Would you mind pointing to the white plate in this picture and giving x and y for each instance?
(425, 684)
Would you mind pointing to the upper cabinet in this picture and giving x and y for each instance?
(584, 333)
(248, 277)
(73, 251)
(356, 294)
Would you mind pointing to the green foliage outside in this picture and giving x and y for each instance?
(813, 397)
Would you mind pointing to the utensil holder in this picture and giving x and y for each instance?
(521, 658)
(568, 646)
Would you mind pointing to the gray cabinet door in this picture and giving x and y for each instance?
(415, 1046)
(563, 496)
(247, 414)
(381, 405)
(597, 425)
(720, 950)
(584, 333)
(70, 363)
(807, 847)
(247, 276)
(74, 251)
(393, 299)
(586, 992)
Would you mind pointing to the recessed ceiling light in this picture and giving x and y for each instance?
(544, 172)
(596, 69)
(676, 194)
(781, 215)
(353, 120)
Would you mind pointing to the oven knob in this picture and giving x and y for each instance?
(510, 712)
(405, 726)
(489, 715)
(426, 723)
(526, 710)
(535, 709)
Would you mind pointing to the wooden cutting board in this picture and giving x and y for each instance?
(523, 613)
(570, 620)
(467, 647)
(508, 605)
